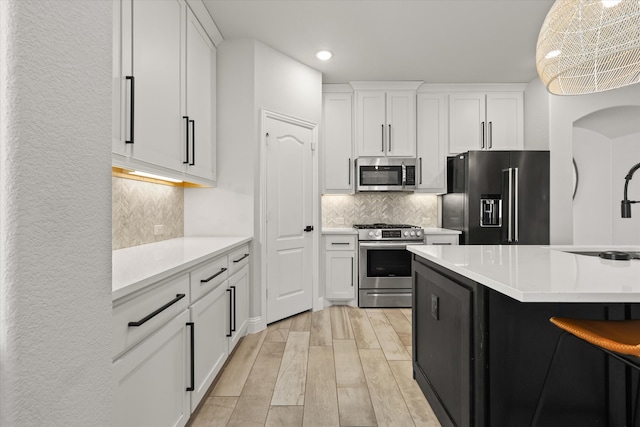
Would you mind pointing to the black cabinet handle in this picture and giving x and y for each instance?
(131, 105)
(233, 328)
(230, 309)
(382, 137)
(349, 170)
(352, 261)
(193, 142)
(340, 243)
(158, 311)
(222, 270)
(193, 358)
(186, 141)
(490, 138)
(420, 170)
(241, 258)
(389, 143)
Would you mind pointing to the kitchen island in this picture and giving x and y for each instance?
(482, 340)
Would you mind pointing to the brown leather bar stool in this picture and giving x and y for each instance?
(618, 338)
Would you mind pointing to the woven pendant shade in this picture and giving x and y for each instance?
(588, 46)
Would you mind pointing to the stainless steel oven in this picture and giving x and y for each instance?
(384, 266)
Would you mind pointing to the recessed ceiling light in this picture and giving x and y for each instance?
(323, 55)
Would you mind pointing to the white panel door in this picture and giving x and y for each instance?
(201, 84)
(210, 315)
(505, 117)
(158, 40)
(467, 124)
(150, 380)
(289, 210)
(337, 143)
(370, 123)
(401, 124)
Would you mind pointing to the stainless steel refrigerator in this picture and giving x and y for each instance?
(498, 197)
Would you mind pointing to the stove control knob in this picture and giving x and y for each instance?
(418, 233)
(371, 234)
(378, 233)
(406, 233)
(413, 233)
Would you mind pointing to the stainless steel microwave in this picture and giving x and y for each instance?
(385, 174)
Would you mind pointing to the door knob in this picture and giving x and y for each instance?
(308, 228)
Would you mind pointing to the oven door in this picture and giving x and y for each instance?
(384, 265)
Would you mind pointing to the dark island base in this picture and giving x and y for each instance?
(480, 357)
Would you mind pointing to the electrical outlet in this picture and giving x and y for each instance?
(158, 229)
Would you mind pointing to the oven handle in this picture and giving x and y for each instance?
(384, 245)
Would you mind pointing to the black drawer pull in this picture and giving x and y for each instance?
(241, 258)
(158, 311)
(193, 358)
(222, 270)
(340, 243)
(441, 243)
(131, 106)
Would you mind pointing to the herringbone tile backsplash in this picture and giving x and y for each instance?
(398, 208)
(137, 207)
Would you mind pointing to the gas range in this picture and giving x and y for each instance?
(385, 232)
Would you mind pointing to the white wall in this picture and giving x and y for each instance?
(251, 76)
(563, 112)
(592, 213)
(55, 213)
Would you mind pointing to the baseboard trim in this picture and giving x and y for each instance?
(256, 324)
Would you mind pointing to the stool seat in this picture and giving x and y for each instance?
(620, 336)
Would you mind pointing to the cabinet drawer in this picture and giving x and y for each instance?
(136, 317)
(340, 243)
(238, 259)
(441, 239)
(208, 277)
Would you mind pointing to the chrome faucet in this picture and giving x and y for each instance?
(626, 203)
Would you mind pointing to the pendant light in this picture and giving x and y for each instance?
(588, 46)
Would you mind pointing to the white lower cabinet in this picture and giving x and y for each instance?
(151, 380)
(441, 239)
(340, 269)
(239, 293)
(168, 353)
(209, 316)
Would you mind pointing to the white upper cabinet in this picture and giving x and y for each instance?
(432, 142)
(486, 121)
(201, 94)
(164, 91)
(385, 123)
(337, 147)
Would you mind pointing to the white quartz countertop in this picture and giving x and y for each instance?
(541, 273)
(139, 266)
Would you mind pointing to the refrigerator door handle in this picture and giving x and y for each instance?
(515, 204)
(507, 177)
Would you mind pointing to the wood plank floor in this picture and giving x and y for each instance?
(342, 366)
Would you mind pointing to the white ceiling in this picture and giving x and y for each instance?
(438, 41)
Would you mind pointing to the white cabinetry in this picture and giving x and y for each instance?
(486, 121)
(432, 118)
(340, 267)
(337, 144)
(385, 119)
(441, 239)
(164, 77)
(167, 353)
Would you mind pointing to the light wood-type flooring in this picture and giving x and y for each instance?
(342, 366)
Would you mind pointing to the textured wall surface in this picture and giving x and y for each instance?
(138, 206)
(396, 208)
(55, 198)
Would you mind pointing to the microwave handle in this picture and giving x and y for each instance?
(404, 174)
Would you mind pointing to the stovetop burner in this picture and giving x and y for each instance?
(382, 226)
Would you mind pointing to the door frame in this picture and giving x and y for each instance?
(317, 301)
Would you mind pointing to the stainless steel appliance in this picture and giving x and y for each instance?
(498, 197)
(385, 174)
(384, 266)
